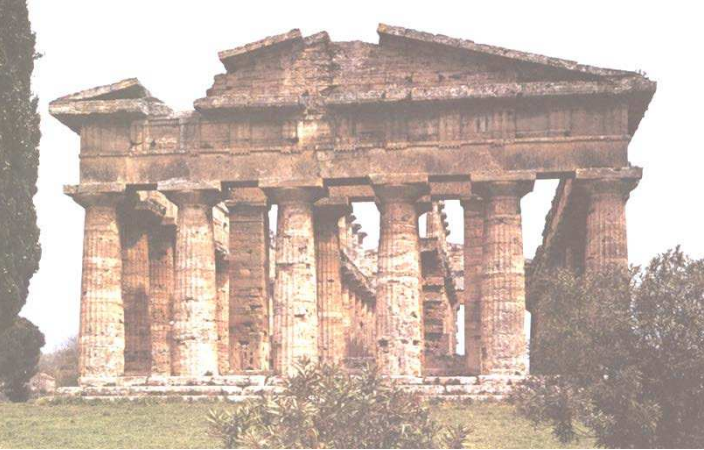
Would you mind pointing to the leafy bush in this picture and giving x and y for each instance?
(324, 407)
(622, 355)
(19, 356)
(62, 363)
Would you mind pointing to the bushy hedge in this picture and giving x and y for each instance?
(324, 407)
(621, 355)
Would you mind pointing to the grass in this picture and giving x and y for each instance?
(126, 424)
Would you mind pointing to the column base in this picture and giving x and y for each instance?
(236, 388)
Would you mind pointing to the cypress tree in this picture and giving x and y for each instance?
(19, 160)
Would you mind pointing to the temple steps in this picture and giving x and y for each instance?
(240, 388)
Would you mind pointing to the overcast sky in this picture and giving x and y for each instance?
(172, 48)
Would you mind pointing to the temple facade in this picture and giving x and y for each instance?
(184, 277)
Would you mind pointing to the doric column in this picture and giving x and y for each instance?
(161, 273)
(331, 333)
(135, 226)
(503, 280)
(346, 318)
(194, 331)
(295, 289)
(249, 279)
(606, 243)
(399, 346)
(102, 333)
(222, 311)
(473, 251)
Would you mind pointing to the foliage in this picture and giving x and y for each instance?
(19, 159)
(324, 407)
(62, 363)
(622, 355)
(21, 340)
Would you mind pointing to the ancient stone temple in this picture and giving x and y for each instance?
(183, 276)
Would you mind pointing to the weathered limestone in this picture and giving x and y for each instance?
(222, 311)
(249, 280)
(102, 329)
(399, 349)
(295, 291)
(503, 278)
(194, 330)
(161, 290)
(408, 122)
(136, 291)
(331, 334)
(473, 252)
(606, 243)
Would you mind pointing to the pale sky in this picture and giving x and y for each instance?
(172, 46)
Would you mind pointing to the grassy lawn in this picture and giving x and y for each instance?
(183, 425)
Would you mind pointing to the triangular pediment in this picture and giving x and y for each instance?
(288, 66)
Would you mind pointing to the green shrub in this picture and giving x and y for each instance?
(324, 407)
(19, 356)
(622, 355)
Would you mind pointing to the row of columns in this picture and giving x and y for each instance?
(494, 264)
(308, 308)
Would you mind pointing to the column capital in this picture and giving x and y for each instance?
(399, 187)
(332, 208)
(101, 194)
(245, 197)
(183, 192)
(472, 203)
(503, 188)
(408, 192)
(297, 194)
(612, 187)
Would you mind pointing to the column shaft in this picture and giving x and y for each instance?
(102, 332)
(194, 330)
(135, 294)
(399, 349)
(249, 286)
(503, 281)
(331, 339)
(606, 237)
(473, 253)
(295, 291)
(222, 313)
(161, 273)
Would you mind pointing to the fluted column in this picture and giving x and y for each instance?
(503, 280)
(161, 273)
(222, 312)
(194, 331)
(295, 289)
(606, 242)
(101, 341)
(249, 279)
(331, 333)
(473, 252)
(399, 346)
(346, 318)
(135, 290)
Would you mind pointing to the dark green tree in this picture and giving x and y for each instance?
(622, 355)
(19, 159)
(19, 357)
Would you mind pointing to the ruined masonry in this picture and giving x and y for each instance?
(186, 289)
